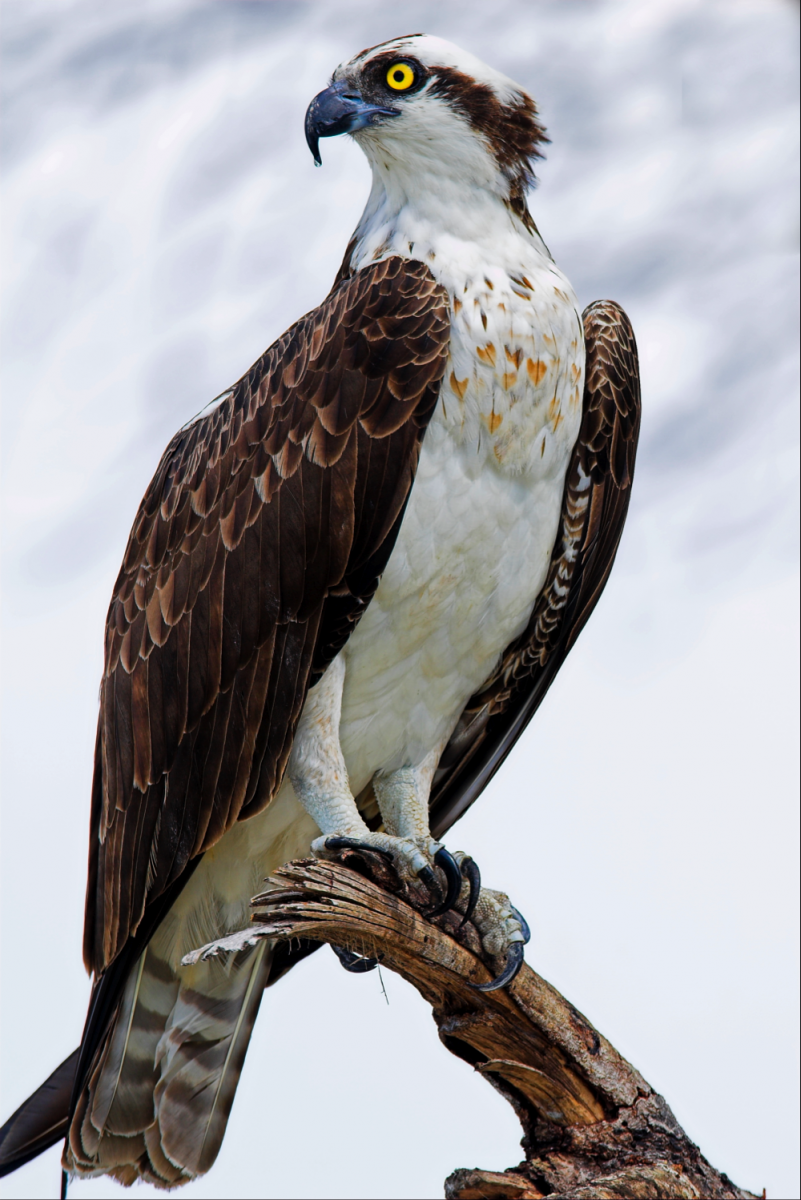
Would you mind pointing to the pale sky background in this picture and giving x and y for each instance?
(162, 223)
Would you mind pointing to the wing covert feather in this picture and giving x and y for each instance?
(256, 548)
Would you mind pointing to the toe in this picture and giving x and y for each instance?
(356, 963)
(514, 961)
(469, 869)
(523, 923)
(503, 933)
(337, 842)
(450, 868)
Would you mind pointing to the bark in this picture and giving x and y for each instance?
(592, 1126)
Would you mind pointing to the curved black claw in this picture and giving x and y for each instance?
(524, 929)
(514, 961)
(428, 879)
(357, 963)
(448, 864)
(335, 842)
(473, 876)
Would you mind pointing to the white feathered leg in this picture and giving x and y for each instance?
(319, 777)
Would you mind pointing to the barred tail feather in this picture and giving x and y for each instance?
(159, 1091)
(147, 1002)
(158, 1096)
(201, 1056)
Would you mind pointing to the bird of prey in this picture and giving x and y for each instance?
(347, 589)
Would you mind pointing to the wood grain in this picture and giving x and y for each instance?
(593, 1127)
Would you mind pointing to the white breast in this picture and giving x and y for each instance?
(477, 536)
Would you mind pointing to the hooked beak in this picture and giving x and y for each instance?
(340, 109)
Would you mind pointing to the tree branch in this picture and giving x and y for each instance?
(593, 1128)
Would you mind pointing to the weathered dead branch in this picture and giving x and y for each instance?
(592, 1125)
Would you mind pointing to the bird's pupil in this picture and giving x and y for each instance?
(399, 76)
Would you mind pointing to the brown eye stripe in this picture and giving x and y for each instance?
(512, 130)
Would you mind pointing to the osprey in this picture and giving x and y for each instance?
(346, 591)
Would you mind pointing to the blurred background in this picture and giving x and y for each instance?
(162, 224)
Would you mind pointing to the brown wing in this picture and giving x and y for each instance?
(596, 499)
(256, 548)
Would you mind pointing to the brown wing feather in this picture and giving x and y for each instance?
(256, 548)
(40, 1122)
(594, 507)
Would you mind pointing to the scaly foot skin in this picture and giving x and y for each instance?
(502, 929)
(413, 860)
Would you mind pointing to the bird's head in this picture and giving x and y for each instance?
(424, 110)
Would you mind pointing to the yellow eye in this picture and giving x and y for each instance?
(400, 77)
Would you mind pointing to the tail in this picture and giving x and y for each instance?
(157, 1097)
(41, 1121)
(155, 1101)
(160, 1069)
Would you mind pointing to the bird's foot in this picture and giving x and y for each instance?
(426, 870)
(502, 930)
(415, 861)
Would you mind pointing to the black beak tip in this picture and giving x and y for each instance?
(312, 137)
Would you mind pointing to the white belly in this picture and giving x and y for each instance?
(476, 540)
(471, 557)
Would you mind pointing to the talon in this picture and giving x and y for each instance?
(428, 879)
(357, 963)
(335, 842)
(514, 961)
(523, 924)
(473, 876)
(447, 863)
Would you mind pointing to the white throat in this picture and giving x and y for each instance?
(438, 192)
(512, 389)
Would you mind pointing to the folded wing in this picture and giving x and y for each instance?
(256, 549)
